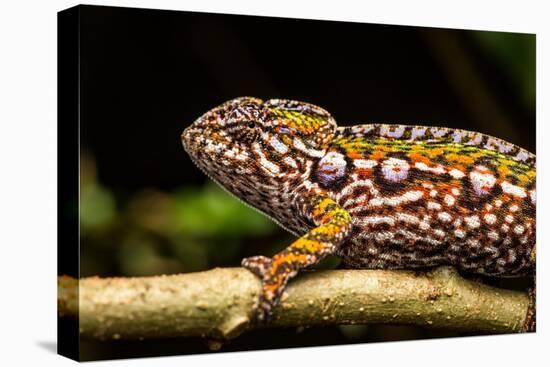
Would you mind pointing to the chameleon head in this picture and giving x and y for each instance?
(248, 145)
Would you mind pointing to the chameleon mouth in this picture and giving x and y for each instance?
(192, 142)
(186, 139)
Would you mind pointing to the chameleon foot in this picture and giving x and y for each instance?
(261, 267)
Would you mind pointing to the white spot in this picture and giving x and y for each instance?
(493, 235)
(439, 233)
(498, 203)
(424, 225)
(457, 222)
(364, 163)
(439, 132)
(299, 144)
(488, 207)
(409, 196)
(279, 146)
(449, 200)
(490, 218)
(375, 220)
(413, 195)
(376, 202)
(458, 135)
(455, 191)
(482, 182)
(457, 174)
(433, 193)
(509, 218)
(395, 169)
(439, 169)
(459, 233)
(386, 130)
(514, 208)
(433, 205)
(445, 217)
(418, 132)
(357, 200)
(514, 190)
(383, 236)
(519, 229)
(504, 228)
(269, 167)
(393, 201)
(290, 161)
(475, 139)
(407, 218)
(472, 221)
(522, 155)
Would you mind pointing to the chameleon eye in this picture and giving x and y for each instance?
(245, 132)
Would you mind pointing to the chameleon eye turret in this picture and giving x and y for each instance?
(378, 196)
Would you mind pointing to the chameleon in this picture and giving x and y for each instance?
(378, 196)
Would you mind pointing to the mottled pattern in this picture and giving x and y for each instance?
(379, 196)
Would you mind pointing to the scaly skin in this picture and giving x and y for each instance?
(378, 196)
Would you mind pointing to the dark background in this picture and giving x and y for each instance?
(147, 74)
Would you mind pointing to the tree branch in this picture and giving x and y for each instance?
(219, 303)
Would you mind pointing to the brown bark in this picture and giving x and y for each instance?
(220, 303)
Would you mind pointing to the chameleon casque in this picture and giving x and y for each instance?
(376, 195)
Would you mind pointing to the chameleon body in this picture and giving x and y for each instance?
(376, 195)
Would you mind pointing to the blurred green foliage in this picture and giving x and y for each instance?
(515, 53)
(209, 212)
(97, 208)
(154, 232)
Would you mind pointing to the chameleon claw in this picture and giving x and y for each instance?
(264, 310)
(259, 265)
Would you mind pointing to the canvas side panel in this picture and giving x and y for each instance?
(68, 241)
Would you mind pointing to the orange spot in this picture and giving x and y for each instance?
(309, 245)
(287, 258)
(353, 154)
(364, 172)
(327, 229)
(432, 153)
(524, 179)
(377, 155)
(417, 157)
(463, 159)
